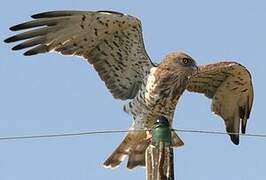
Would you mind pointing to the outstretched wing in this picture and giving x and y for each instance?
(112, 42)
(229, 86)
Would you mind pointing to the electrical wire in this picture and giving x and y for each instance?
(63, 134)
(218, 132)
(120, 131)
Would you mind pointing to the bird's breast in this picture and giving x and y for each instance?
(158, 96)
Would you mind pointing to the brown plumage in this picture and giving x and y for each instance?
(112, 43)
(229, 86)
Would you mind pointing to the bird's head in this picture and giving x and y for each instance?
(181, 62)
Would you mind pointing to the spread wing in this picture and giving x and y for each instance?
(229, 86)
(112, 42)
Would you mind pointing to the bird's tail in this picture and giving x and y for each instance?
(126, 148)
(134, 146)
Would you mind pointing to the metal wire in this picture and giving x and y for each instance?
(119, 131)
(63, 134)
(218, 132)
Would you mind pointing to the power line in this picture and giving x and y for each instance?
(219, 132)
(63, 134)
(120, 131)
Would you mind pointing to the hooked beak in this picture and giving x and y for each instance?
(196, 68)
(194, 71)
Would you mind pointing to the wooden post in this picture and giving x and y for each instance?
(159, 154)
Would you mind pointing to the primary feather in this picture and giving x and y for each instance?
(110, 41)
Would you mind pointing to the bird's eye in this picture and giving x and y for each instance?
(185, 61)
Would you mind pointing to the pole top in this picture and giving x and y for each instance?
(161, 132)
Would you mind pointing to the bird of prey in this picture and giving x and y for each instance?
(112, 43)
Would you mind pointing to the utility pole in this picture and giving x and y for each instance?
(159, 154)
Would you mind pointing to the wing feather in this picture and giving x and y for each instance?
(229, 85)
(112, 42)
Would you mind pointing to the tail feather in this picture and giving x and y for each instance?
(137, 155)
(117, 156)
(115, 159)
(176, 141)
(135, 160)
(124, 149)
(134, 146)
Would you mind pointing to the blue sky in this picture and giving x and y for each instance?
(52, 93)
